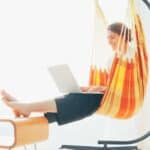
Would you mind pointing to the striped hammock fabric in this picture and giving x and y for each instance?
(127, 80)
(98, 76)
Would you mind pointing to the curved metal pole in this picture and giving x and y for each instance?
(147, 3)
(126, 142)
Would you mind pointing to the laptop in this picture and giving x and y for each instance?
(64, 79)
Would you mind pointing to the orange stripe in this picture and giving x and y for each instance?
(132, 100)
(125, 94)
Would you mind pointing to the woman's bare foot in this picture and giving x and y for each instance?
(20, 109)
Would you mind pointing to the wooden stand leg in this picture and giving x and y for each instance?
(25, 148)
(35, 146)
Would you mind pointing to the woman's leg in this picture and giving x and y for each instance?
(26, 109)
(65, 109)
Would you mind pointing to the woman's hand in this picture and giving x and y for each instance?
(84, 88)
(93, 89)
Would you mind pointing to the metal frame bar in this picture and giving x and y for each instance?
(78, 147)
(147, 3)
(105, 144)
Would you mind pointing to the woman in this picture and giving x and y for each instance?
(73, 106)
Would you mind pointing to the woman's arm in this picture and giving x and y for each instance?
(93, 89)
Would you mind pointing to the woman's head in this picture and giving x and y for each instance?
(118, 31)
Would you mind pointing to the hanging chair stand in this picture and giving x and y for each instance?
(105, 144)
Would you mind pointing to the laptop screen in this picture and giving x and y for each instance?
(64, 79)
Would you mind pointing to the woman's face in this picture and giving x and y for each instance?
(113, 39)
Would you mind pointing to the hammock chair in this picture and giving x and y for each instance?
(127, 79)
